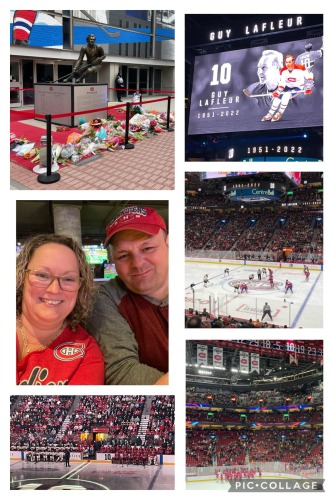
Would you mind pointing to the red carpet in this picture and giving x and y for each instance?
(33, 134)
(21, 115)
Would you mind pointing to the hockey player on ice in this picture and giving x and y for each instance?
(288, 286)
(205, 280)
(236, 286)
(244, 288)
(226, 271)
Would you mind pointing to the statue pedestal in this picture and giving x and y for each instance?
(60, 98)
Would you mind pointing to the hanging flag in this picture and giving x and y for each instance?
(22, 25)
(218, 357)
(243, 362)
(255, 362)
(202, 354)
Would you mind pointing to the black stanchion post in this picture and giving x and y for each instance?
(48, 145)
(49, 177)
(127, 144)
(168, 129)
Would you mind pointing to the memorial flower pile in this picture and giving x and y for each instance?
(98, 136)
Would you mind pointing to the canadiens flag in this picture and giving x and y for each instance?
(22, 24)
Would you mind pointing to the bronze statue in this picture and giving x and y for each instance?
(94, 54)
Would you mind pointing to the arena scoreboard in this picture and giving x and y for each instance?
(219, 100)
(235, 68)
(305, 349)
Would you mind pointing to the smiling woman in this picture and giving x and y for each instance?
(54, 295)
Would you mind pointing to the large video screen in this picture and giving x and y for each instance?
(293, 176)
(95, 254)
(232, 91)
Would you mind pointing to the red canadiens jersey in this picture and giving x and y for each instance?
(74, 358)
(297, 78)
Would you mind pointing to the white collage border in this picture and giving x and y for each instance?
(176, 229)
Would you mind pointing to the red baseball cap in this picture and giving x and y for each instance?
(144, 219)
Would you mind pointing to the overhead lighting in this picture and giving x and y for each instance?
(204, 372)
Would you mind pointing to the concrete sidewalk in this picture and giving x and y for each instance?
(149, 165)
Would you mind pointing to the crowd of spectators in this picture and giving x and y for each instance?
(121, 414)
(285, 445)
(45, 426)
(198, 228)
(260, 232)
(221, 447)
(266, 232)
(214, 223)
(161, 427)
(35, 422)
(39, 417)
(295, 395)
(296, 231)
(196, 319)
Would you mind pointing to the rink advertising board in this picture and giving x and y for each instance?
(229, 96)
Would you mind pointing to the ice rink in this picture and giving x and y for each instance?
(89, 476)
(302, 309)
(206, 484)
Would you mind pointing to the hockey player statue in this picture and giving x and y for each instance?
(94, 56)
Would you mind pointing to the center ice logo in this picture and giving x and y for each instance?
(258, 285)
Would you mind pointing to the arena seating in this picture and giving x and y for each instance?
(223, 437)
(48, 424)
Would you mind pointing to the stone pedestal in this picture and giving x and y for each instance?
(60, 98)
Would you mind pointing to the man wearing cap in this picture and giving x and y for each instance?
(130, 319)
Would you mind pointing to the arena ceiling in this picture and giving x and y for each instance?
(275, 368)
(36, 217)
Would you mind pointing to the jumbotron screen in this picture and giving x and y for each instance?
(95, 254)
(293, 176)
(232, 91)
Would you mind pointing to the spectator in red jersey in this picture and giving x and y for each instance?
(130, 318)
(54, 294)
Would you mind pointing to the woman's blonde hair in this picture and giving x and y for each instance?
(84, 302)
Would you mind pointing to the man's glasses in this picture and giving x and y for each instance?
(41, 279)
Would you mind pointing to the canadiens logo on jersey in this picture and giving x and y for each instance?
(69, 351)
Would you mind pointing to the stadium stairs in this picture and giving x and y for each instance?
(145, 419)
(68, 417)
